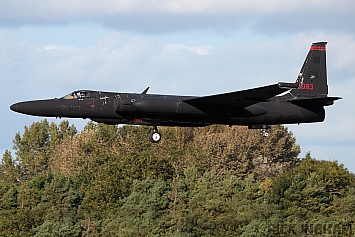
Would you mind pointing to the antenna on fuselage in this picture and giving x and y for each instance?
(145, 91)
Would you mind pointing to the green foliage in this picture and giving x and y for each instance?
(8, 169)
(212, 181)
(61, 199)
(141, 211)
(19, 214)
(236, 148)
(314, 193)
(36, 146)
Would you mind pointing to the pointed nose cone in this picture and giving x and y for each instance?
(37, 108)
(20, 107)
(30, 107)
(14, 107)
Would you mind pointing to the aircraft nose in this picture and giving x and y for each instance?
(23, 107)
(36, 108)
(13, 107)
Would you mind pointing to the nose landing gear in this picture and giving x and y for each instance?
(154, 136)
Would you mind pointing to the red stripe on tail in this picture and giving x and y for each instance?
(321, 48)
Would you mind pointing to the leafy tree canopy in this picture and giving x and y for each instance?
(212, 181)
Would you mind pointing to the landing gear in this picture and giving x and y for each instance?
(265, 129)
(154, 136)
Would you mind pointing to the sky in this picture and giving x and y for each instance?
(200, 47)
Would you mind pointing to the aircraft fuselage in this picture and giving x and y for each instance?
(169, 110)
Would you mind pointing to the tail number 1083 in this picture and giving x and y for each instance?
(306, 86)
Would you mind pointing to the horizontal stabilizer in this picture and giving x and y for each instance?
(238, 99)
(288, 85)
(322, 101)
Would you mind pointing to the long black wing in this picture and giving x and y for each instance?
(238, 99)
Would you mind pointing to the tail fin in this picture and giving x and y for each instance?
(312, 78)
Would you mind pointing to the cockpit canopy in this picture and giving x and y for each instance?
(77, 95)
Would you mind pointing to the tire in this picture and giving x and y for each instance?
(154, 136)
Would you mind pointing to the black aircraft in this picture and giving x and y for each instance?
(257, 108)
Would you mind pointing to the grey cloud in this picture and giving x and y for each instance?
(164, 23)
(153, 17)
(310, 20)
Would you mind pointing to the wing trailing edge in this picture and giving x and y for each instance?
(240, 99)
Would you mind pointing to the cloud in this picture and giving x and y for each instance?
(57, 47)
(80, 8)
(158, 16)
(122, 61)
(199, 50)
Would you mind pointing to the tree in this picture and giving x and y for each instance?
(108, 160)
(141, 211)
(32, 150)
(8, 169)
(35, 147)
(237, 148)
(9, 221)
(59, 132)
(307, 192)
(61, 199)
(212, 181)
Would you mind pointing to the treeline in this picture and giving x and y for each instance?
(213, 181)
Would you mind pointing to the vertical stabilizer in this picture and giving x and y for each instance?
(312, 78)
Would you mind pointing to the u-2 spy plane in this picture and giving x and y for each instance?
(283, 103)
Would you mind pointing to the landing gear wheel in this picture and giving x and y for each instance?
(265, 129)
(154, 136)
